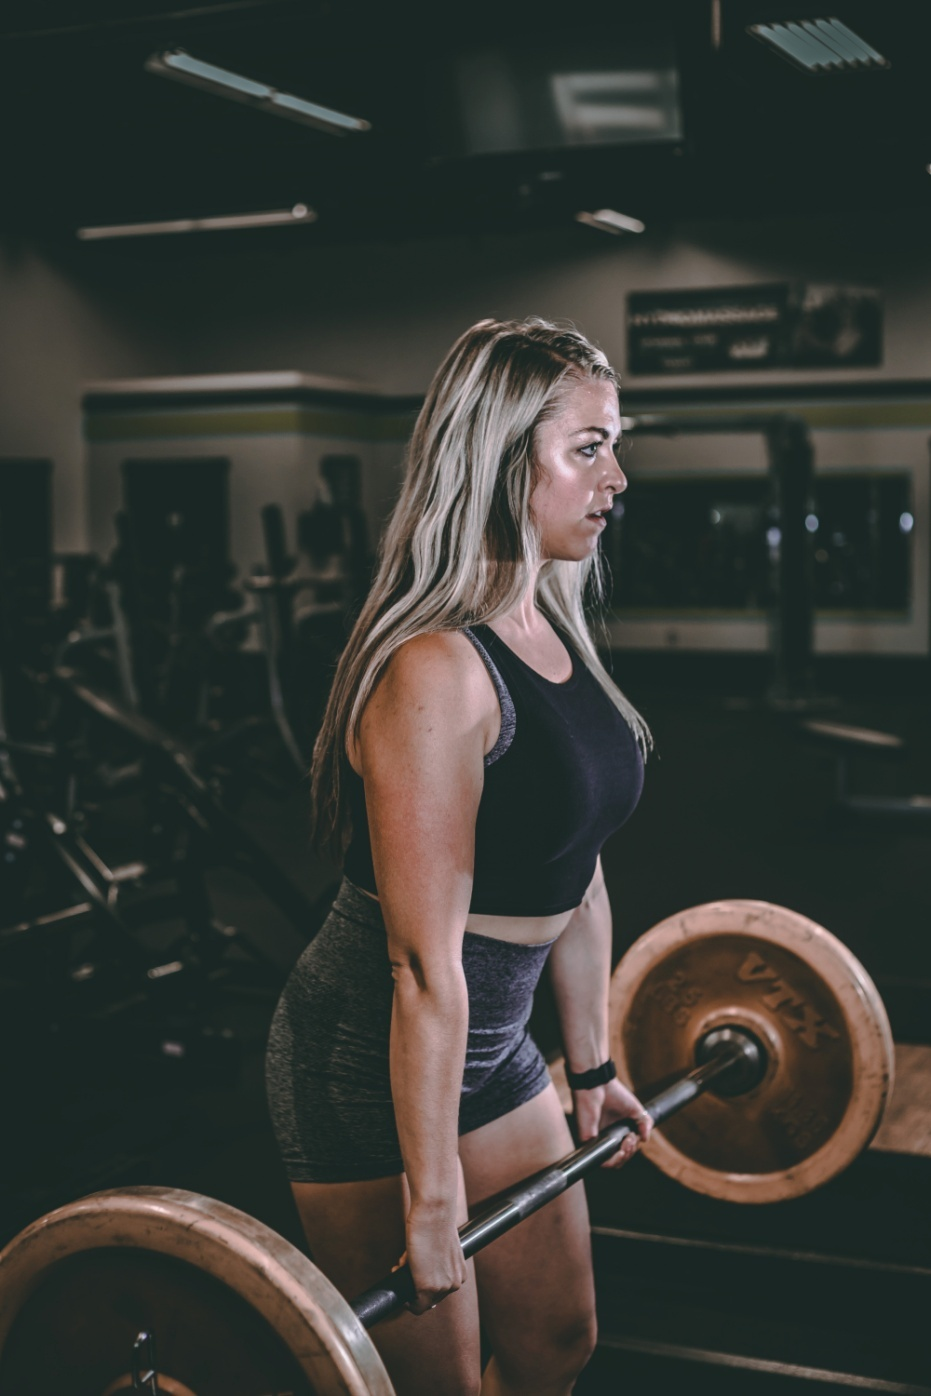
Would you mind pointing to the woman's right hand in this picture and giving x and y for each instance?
(434, 1254)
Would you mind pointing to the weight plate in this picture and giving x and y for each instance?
(802, 992)
(234, 1308)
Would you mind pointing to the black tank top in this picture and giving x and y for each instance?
(565, 772)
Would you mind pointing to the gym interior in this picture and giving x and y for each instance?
(236, 239)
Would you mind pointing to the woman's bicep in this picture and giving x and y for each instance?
(421, 742)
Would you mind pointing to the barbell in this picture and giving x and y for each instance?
(755, 1017)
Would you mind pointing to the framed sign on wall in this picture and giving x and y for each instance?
(723, 328)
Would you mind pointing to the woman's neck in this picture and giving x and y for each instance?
(526, 617)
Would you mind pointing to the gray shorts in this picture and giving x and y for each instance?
(329, 1088)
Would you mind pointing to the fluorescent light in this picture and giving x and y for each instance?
(607, 220)
(820, 30)
(816, 53)
(840, 29)
(183, 67)
(315, 115)
(819, 45)
(300, 213)
(180, 62)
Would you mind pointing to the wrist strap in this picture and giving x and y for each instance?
(588, 1080)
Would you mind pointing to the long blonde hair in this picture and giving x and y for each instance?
(461, 543)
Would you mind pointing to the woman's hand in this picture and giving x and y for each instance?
(434, 1254)
(598, 1108)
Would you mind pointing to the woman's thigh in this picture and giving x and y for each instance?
(355, 1232)
(535, 1283)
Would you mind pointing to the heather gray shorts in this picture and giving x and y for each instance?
(329, 1089)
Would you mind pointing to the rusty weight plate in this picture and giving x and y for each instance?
(818, 1014)
(234, 1308)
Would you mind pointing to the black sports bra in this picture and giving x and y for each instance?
(565, 772)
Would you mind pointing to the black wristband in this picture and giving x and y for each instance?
(588, 1080)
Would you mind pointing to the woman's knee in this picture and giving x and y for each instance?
(573, 1344)
(550, 1360)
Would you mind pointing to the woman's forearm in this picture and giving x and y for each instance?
(580, 970)
(429, 1025)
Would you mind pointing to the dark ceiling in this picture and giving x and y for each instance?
(91, 137)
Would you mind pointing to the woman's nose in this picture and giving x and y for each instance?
(617, 480)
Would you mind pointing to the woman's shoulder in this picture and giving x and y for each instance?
(433, 682)
(440, 665)
(433, 688)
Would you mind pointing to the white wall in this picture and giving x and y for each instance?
(55, 334)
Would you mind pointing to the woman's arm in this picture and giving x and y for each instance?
(580, 969)
(421, 743)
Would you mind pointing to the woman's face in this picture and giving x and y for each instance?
(579, 474)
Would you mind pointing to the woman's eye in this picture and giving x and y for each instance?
(590, 451)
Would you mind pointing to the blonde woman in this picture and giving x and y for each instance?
(473, 758)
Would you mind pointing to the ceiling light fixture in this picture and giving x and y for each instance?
(819, 45)
(300, 213)
(609, 221)
(181, 66)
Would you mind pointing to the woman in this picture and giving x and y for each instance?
(474, 756)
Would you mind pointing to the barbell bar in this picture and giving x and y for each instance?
(738, 1056)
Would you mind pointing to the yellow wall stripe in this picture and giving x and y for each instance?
(357, 425)
(829, 415)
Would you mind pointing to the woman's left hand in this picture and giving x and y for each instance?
(598, 1108)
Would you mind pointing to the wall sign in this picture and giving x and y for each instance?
(786, 325)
